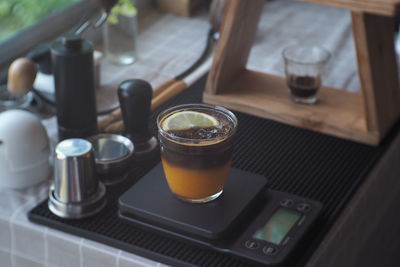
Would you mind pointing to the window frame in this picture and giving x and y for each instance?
(45, 30)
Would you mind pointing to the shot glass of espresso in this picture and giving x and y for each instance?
(303, 70)
(196, 146)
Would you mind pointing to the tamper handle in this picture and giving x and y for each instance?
(135, 101)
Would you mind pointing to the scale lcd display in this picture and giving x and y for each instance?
(277, 227)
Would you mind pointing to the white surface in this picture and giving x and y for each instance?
(24, 149)
(168, 45)
(44, 83)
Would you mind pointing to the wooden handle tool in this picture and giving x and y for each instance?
(116, 114)
(117, 126)
(171, 91)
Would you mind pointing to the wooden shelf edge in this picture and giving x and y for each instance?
(384, 7)
(337, 113)
(371, 138)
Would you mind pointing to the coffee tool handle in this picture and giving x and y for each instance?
(135, 101)
(21, 76)
(116, 116)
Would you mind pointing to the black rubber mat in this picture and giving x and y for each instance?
(294, 160)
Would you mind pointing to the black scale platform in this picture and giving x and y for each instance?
(294, 160)
(152, 200)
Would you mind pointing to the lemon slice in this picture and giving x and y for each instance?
(184, 120)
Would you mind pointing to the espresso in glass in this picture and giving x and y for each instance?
(303, 70)
(196, 147)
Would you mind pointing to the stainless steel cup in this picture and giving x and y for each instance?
(75, 178)
(76, 192)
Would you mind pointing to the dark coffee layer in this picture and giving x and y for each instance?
(301, 92)
(303, 86)
(196, 157)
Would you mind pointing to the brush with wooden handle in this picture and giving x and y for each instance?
(172, 87)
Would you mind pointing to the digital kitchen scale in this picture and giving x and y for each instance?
(248, 220)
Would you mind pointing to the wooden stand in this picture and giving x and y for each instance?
(180, 7)
(364, 117)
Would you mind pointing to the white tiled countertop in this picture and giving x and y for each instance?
(167, 45)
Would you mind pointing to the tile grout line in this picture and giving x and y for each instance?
(24, 256)
(11, 229)
(81, 252)
(13, 250)
(46, 247)
(117, 260)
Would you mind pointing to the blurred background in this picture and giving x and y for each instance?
(16, 15)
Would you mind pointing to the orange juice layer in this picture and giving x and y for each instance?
(195, 183)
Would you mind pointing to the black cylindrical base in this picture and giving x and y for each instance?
(72, 59)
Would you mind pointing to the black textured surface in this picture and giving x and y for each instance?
(294, 160)
(150, 198)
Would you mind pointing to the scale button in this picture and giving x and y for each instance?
(304, 207)
(251, 244)
(287, 202)
(270, 250)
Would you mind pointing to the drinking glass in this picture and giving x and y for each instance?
(303, 70)
(120, 34)
(196, 161)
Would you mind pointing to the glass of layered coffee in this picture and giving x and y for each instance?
(196, 146)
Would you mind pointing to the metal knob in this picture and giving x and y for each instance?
(76, 192)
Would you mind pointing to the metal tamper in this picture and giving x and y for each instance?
(76, 192)
(135, 100)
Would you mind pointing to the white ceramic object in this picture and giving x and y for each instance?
(24, 149)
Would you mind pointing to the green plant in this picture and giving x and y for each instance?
(122, 8)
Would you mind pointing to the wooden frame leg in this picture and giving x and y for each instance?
(378, 72)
